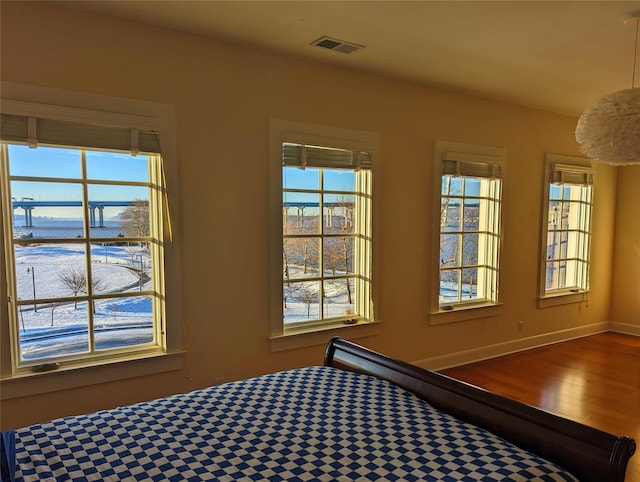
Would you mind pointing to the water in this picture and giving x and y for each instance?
(62, 228)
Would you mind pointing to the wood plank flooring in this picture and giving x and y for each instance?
(594, 380)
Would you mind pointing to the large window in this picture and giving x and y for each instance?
(567, 233)
(469, 226)
(84, 235)
(325, 254)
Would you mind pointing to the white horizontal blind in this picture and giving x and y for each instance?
(34, 131)
(568, 174)
(470, 165)
(300, 155)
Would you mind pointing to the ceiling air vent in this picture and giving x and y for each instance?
(337, 45)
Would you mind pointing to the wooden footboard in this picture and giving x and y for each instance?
(588, 453)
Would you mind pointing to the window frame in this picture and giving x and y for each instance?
(485, 157)
(359, 238)
(281, 131)
(576, 167)
(24, 100)
(87, 239)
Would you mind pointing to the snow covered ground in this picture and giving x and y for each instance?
(49, 329)
(52, 328)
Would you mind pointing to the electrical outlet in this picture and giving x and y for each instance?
(520, 326)
(218, 381)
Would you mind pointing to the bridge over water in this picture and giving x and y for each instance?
(95, 207)
(328, 207)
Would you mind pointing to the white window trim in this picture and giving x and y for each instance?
(310, 134)
(473, 310)
(567, 296)
(31, 100)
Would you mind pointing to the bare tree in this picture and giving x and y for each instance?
(285, 264)
(286, 254)
(460, 247)
(470, 245)
(306, 251)
(299, 251)
(285, 243)
(445, 201)
(299, 254)
(307, 296)
(75, 280)
(134, 221)
(470, 259)
(338, 257)
(338, 252)
(290, 290)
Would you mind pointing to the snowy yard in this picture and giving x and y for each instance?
(51, 327)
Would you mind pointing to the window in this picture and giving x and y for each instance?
(324, 236)
(567, 227)
(470, 186)
(85, 238)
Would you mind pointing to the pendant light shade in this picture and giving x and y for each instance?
(609, 130)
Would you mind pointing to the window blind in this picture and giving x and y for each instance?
(470, 165)
(34, 131)
(299, 155)
(571, 174)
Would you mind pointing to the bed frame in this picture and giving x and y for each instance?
(588, 453)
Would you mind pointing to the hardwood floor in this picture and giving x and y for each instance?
(594, 380)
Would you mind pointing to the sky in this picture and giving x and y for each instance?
(309, 178)
(61, 163)
(65, 164)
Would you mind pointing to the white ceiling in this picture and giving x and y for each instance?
(554, 55)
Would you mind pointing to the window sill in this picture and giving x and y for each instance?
(463, 313)
(30, 383)
(320, 336)
(564, 298)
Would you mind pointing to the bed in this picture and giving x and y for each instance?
(359, 416)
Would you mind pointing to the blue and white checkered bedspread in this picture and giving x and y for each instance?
(315, 423)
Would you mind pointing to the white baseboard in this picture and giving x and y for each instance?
(499, 349)
(626, 328)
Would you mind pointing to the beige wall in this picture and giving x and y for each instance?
(224, 96)
(625, 297)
